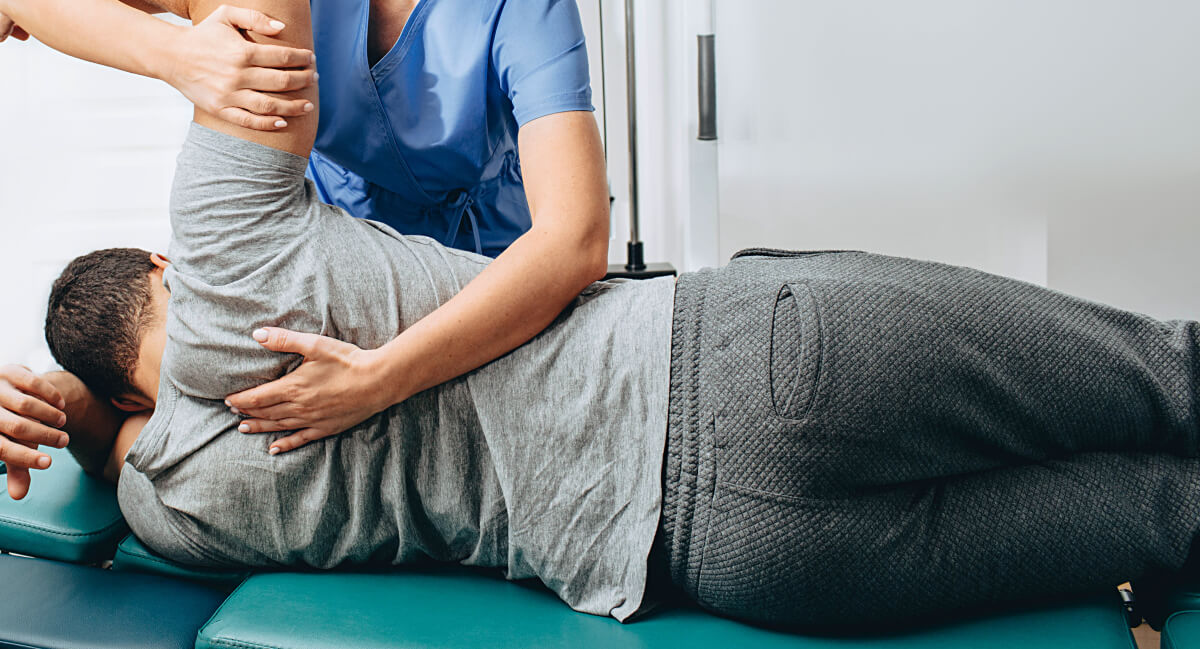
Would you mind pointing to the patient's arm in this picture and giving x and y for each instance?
(211, 64)
(34, 408)
(92, 423)
(301, 131)
(125, 438)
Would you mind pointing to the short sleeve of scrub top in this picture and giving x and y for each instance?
(541, 58)
(426, 139)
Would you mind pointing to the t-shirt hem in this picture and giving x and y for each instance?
(252, 152)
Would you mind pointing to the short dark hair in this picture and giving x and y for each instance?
(98, 309)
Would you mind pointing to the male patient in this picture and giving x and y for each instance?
(805, 437)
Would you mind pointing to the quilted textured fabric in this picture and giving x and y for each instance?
(856, 438)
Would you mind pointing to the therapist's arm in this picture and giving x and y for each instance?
(211, 63)
(512, 300)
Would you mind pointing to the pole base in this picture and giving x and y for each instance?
(621, 271)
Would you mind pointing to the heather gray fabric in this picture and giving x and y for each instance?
(546, 462)
(856, 438)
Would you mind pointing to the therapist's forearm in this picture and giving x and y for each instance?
(510, 302)
(107, 32)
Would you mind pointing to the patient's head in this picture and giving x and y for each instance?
(106, 324)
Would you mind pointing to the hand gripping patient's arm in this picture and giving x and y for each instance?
(301, 131)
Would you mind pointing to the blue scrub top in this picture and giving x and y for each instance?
(426, 141)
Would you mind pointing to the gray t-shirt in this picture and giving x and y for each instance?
(545, 462)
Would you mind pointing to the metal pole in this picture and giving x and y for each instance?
(631, 108)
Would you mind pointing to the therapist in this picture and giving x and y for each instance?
(468, 121)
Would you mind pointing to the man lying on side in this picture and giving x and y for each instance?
(807, 438)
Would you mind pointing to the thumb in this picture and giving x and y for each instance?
(286, 341)
(250, 20)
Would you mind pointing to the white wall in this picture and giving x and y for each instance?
(1054, 140)
(86, 162)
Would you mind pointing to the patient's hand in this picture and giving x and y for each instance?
(31, 411)
(225, 75)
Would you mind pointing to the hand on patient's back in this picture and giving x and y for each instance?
(224, 74)
(9, 28)
(336, 387)
(31, 411)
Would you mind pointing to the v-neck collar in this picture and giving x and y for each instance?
(399, 49)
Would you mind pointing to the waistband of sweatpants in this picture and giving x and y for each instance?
(687, 472)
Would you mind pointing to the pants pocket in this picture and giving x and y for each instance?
(795, 360)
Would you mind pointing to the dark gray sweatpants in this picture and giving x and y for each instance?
(859, 438)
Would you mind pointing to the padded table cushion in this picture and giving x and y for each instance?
(61, 606)
(133, 556)
(440, 607)
(1181, 631)
(68, 515)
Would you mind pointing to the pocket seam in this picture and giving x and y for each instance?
(818, 336)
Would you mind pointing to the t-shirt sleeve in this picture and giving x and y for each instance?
(236, 205)
(541, 59)
(246, 251)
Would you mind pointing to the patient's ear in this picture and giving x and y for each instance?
(159, 260)
(132, 404)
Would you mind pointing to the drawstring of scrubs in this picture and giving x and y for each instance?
(463, 204)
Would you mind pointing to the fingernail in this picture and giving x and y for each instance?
(230, 405)
(43, 462)
(312, 58)
(274, 450)
(275, 24)
(308, 108)
(62, 403)
(316, 76)
(260, 335)
(62, 440)
(235, 410)
(244, 428)
(62, 421)
(280, 124)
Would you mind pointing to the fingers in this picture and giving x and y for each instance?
(248, 19)
(280, 412)
(6, 27)
(287, 342)
(246, 119)
(295, 441)
(18, 482)
(31, 408)
(256, 102)
(26, 381)
(256, 426)
(269, 80)
(22, 457)
(277, 56)
(27, 430)
(264, 396)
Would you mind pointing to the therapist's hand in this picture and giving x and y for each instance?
(335, 388)
(9, 28)
(225, 75)
(31, 411)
